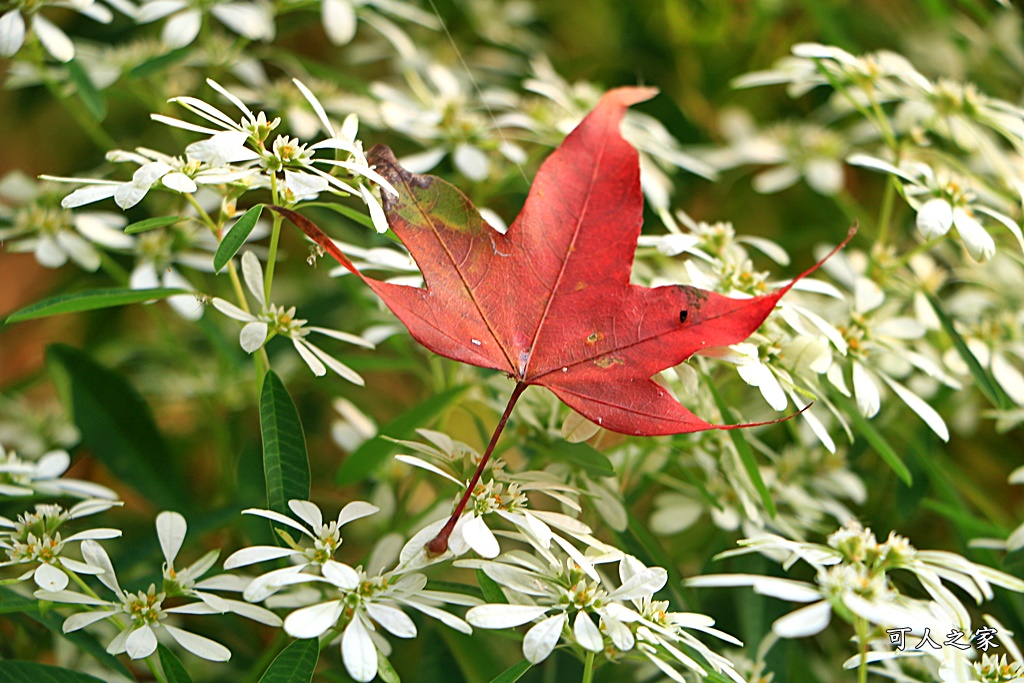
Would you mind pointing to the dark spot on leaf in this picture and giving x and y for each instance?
(594, 338)
(683, 314)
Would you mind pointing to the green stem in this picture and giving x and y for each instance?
(885, 214)
(588, 667)
(862, 641)
(275, 236)
(101, 138)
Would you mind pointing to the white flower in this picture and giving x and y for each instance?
(274, 320)
(52, 233)
(339, 19)
(171, 528)
(251, 20)
(35, 539)
(359, 603)
(326, 539)
(20, 477)
(944, 201)
(140, 616)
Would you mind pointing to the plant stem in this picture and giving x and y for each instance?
(862, 641)
(440, 542)
(275, 235)
(588, 667)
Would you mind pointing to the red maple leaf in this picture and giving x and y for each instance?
(549, 302)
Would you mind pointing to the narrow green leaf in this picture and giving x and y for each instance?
(744, 450)
(89, 301)
(295, 664)
(982, 379)
(346, 211)
(159, 63)
(490, 588)
(12, 671)
(875, 438)
(386, 672)
(236, 236)
(174, 670)
(513, 673)
(92, 100)
(12, 603)
(285, 462)
(150, 223)
(117, 426)
(371, 454)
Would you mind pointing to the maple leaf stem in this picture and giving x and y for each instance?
(439, 544)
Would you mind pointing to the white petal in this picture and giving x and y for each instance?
(94, 554)
(252, 336)
(357, 509)
(775, 179)
(222, 148)
(471, 161)
(919, 406)
(358, 651)
(308, 94)
(805, 621)
(934, 218)
(394, 620)
(170, 530)
(480, 537)
(423, 464)
(49, 578)
(179, 182)
(279, 518)
(380, 221)
(758, 375)
(979, 243)
(252, 272)
(312, 621)
(504, 616)
(80, 251)
(542, 638)
(12, 33)
(53, 39)
(341, 575)
(141, 643)
(144, 276)
(49, 253)
(83, 619)
(644, 583)
(308, 513)
(258, 553)
(246, 19)
(1008, 377)
(89, 194)
(232, 311)
(339, 19)
(586, 633)
(311, 360)
(334, 364)
(199, 646)
(864, 388)
(158, 9)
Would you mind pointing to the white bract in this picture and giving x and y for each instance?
(251, 20)
(275, 320)
(13, 29)
(140, 616)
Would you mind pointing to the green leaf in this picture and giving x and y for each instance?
(150, 223)
(346, 211)
(371, 454)
(285, 462)
(743, 448)
(583, 456)
(386, 672)
(12, 671)
(490, 588)
(174, 671)
(81, 639)
(12, 603)
(159, 63)
(92, 100)
(295, 664)
(117, 426)
(236, 236)
(89, 301)
(875, 438)
(982, 379)
(513, 673)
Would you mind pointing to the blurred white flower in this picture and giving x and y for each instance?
(13, 29)
(140, 616)
(19, 477)
(251, 20)
(273, 320)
